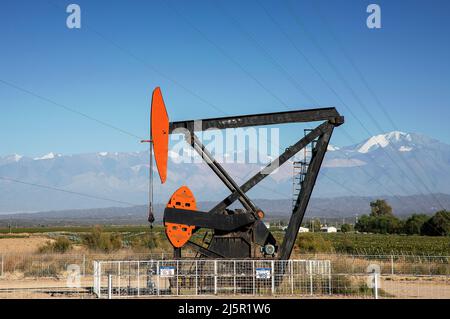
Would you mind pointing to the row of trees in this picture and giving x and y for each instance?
(382, 220)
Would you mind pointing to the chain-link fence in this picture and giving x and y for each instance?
(55, 275)
(211, 277)
(152, 275)
(413, 265)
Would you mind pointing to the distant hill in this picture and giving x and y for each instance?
(392, 163)
(326, 208)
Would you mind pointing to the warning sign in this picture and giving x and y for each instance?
(167, 271)
(263, 273)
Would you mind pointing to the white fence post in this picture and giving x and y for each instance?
(196, 277)
(118, 276)
(215, 276)
(328, 263)
(157, 277)
(310, 277)
(375, 285)
(254, 277)
(392, 264)
(138, 278)
(84, 265)
(98, 277)
(273, 277)
(95, 284)
(109, 286)
(234, 277)
(176, 277)
(291, 267)
(1, 270)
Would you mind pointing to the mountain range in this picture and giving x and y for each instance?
(392, 164)
(328, 210)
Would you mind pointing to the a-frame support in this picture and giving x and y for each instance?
(305, 194)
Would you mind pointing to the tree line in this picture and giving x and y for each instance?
(381, 220)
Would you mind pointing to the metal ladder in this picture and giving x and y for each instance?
(300, 168)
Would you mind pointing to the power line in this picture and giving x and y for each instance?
(273, 61)
(136, 56)
(89, 117)
(329, 86)
(66, 191)
(370, 90)
(69, 109)
(147, 65)
(355, 96)
(267, 54)
(297, 20)
(375, 179)
(226, 54)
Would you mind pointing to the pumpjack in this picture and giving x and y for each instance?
(236, 233)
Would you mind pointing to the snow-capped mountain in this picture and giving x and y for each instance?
(396, 163)
(48, 156)
(10, 159)
(392, 163)
(385, 140)
(402, 142)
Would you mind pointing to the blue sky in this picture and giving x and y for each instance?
(230, 54)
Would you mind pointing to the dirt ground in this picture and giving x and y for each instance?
(413, 287)
(22, 245)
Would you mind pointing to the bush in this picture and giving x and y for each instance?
(345, 228)
(346, 245)
(60, 245)
(106, 242)
(147, 241)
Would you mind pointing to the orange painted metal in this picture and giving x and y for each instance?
(159, 122)
(179, 234)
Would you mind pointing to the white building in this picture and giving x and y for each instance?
(327, 229)
(303, 230)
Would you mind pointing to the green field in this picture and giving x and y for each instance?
(350, 243)
(367, 244)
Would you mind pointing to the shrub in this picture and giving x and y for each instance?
(99, 240)
(60, 245)
(147, 241)
(345, 228)
(346, 245)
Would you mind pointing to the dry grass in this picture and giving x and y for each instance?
(22, 245)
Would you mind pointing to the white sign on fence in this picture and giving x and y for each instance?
(166, 271)
(263, 273)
